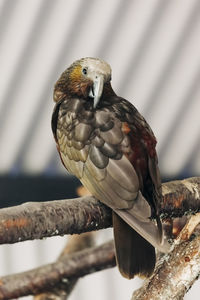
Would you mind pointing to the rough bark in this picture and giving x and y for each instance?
(75, 243)
(38, 220)
(63, 289)
(175, 272)
(49, 276)
(180, 197)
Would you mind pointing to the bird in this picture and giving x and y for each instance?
(107, 144)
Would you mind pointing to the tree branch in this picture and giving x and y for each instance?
(74, 244)
(85, 214)
(175, 272)
(68, 267)
(36, 220)
(180, 197)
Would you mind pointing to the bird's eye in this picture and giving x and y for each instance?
(84, 71)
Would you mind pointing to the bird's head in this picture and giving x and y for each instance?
(85, 78)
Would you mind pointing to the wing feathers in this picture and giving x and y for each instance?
(124, 174)
(73, 167)
(138, 219)
(97, 151)
(113, 185)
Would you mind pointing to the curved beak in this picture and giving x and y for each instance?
(97, 89)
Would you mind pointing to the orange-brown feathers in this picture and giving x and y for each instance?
(72, 83)
(125, 128)
(76, 73)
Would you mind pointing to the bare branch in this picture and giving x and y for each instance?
(75, 243)
(189, 228)
(35, 220)
(180, 197)
(68, 267)
(175, 272)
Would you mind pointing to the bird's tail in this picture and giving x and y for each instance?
(134, 255)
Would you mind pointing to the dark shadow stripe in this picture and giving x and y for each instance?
(45, 97)
(24, 60)
(178, 122)
(7, 10)
(194, 153)
(173, 59)
(16, 190)
(113, 27)
(143, 45)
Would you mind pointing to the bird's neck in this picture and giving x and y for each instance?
(107, 91)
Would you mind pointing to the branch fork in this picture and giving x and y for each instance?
(174, 273)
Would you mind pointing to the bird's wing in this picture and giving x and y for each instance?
(97, 152)
(116, 183)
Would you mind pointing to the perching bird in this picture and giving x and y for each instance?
(104, 141)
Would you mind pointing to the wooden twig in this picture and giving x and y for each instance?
(175, 272)
(189, 228)
(35, 220)
(180, 197)
(68, 267)
(75, 243)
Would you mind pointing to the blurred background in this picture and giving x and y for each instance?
(153, 48)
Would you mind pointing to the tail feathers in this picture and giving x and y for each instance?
(138, 217)
(134, 255)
